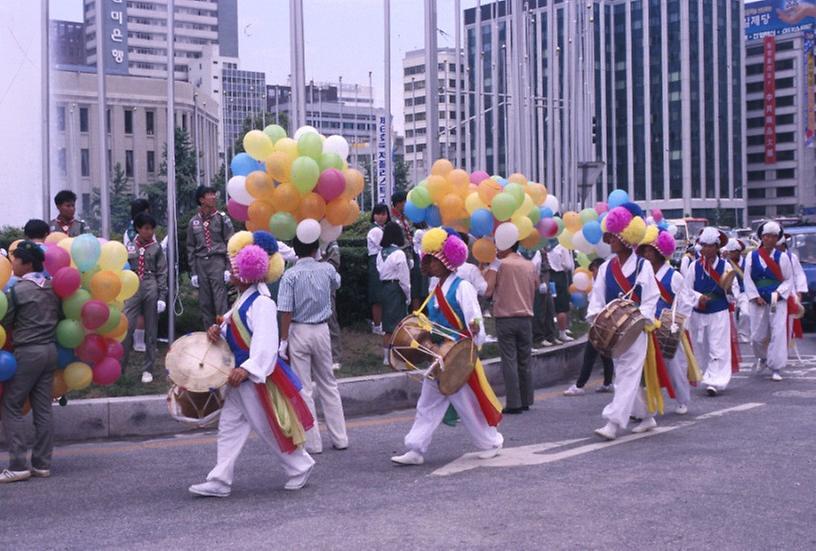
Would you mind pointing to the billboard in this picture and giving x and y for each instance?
(114, 21)
(776, 17)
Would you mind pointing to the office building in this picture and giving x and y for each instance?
(67, 42)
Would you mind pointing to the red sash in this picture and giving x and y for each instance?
(710, 271)
(449, 314)
(664, 293)
(771, 264)
(621, 280)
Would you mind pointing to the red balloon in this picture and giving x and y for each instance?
(106, 372)
(330, 184)
(66, 281)
(547, 227)
(92, 349)
(237, 210)
(115, 349)
(56, 258)
(94, 314)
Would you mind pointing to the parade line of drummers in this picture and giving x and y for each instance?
(655, 328)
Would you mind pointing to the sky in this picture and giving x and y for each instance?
(342, 38)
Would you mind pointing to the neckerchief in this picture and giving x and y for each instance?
(622, 280)
(37, 277)
(142, 248)
(205, 223)
(406, 227)
(64, 224)
(772, 265)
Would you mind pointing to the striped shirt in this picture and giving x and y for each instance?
(305, 291)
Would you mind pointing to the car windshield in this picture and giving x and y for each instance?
(680, 233)
(804, 245)
(695, 226)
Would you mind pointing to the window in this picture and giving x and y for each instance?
(759, 139)
(61, 118)
(756, 211)
(784, 119)
(785, 174)
(62, 161)
(129, 163)
(786, 192)
(85, 162)
(782, 210)
(107, 120)
(756, 176)
(151, 162)
(83, 119)
(128, 121)
(150, 122)
(756, 193)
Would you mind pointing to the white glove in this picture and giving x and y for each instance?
(161, 306)
(227, 276)
(194, 281)
(283, 349)
(544, 288)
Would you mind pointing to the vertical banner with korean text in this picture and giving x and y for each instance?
(810, 89)
(770, 99)
(116, 48)
(381, 170)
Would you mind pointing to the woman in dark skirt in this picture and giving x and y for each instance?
(395, 278)
(379, 217)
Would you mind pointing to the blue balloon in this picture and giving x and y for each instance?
(414, 213)
(8, 366)
(579, 300)
(65, 356)
(242, 164)
(592, 232)
(663, 225)
(546, 212)
(433, 217)
(481, 223)
(617, 198)
(502, 181)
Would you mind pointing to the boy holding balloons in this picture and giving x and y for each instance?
(33, 314)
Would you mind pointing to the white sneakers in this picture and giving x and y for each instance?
(681, 409)
(14, 476)
(40, 473)
(776, 376)
(644, 426)
(147, 377)
(410, 457)
(574, 391)
(711, 391)
(299, 481)
(545, 343)
(608, 432)
(211, 488)
(564, 337)
(491, 453)
(605, 389)
(377, 329)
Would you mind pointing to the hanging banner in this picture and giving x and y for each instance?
(777, 17)
(770, 99)
(382, 171)
(810, 89)
(114, 20)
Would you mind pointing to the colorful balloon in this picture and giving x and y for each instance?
(504, 204)
(113, 256)
(260, 212)
(337, 145)
(54, 237)
(329, 232)
(308, 230)
(484, 250)
(258, 145)
(478, 176)
(92, 349)
(85, 251)
(8, 366)
(237, 210)
(441, 167)
(72, 306)
(242, 164)
(77, 375)
(130, 284)
(288, 147)
(286, 198)
(106, 372)
(236, 189)
(617, 198)
(313, 206)
(279, 166)
(338, 211)
(259, 185)
(481, 223)
(507, 235)
(283, 225)
(355, 183)
(65, 282)
(420, 197)
(310, 145)
(114, 313)
(414, 213)
(70, 333)
(57, 258)
(114, 349)
(330, 184)
(592, 232)
(330, 160)
(94, 314)
(105, 285)
(438, 188)
(305, 173)
(274, 133)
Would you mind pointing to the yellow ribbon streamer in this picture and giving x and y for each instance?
(694, 373)
(654, 397)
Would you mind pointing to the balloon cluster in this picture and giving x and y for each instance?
(294, 186)
(90, 275)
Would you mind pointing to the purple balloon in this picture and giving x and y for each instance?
(55, 258)
(478, 175)
(330, 184)
(106, 371)
(237, 210)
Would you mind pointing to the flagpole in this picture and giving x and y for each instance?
(46, 113)
(102, 152)
(171, 175)
(389, 160)
(431, 83)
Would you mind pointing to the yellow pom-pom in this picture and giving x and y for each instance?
(433, 239)
(276, 267)
(635, 231)
(603, 225)
(238, 241)
(650, 236)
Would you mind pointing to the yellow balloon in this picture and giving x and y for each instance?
(438, 187)
(279, 166)
(77, 375)
(130, 284)
(518, 178)
(572, 221)
(66, 245)
(258, 145)
(55, 237)
(2, 337)
(526, 206)
(537, 192)
(287, 146)
(565, 239)
(113, 256)
(473, 203)
(524, 225)
(5, 271)
(441, 167)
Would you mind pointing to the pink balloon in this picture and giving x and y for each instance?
(478, 175)
(106, 372)
(94, 314)
(330, 184)
(101, 240)
(237, 210)
(547, 227)
(66, 281)
(55, 258)
(601, 207)
(115, 349)
(91, 349)
(657, 214)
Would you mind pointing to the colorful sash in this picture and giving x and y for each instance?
(771, 263)
(666, 293)
(288, 415)
(707, 281)
(623, 283)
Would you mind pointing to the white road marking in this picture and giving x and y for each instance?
(532, 454)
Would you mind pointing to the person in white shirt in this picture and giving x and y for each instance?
(395, 279)
(379, 217)
(561, 267)
(800, 288)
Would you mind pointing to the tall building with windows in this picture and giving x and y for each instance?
(654, 89)
(451, 132)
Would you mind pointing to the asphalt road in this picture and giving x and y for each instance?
(738, 472)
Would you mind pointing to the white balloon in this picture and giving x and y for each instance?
(305, 130)
(602, 249)
(672, 229)
(236, 188)
(580, 243)
(328, 232)
(308, 231)
(551, 202)
(336, 144)
(506, 236)
(582, 281)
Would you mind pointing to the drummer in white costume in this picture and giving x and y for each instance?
(624, 228)
(244, 406)
(768, 282)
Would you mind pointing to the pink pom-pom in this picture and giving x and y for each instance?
(665, 244)
(617, 219)
(455, 251)
(657, 214)
(601, 207)
(251, 263)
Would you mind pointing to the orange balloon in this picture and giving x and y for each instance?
(260, 212)
(105, 285)
(572, 221)
(14, 245)
(450, 206)
(119, 330)
(355, 183)
(312, 206)
(531, 240)
(354, 213)
(518, 178)
(537, 192)
(254, 226)
(338, 210)
(438, 187)
(488, 189)
(286, 198)
(5, 271)
(260, 185)
(484, 250)
(441, 167)
(279, 166)
(55, 237)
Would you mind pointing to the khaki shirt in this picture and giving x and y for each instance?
(221, 230)
(155, 265)
(33, 313)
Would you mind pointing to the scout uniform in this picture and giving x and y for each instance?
(71, 228)
(207, 237)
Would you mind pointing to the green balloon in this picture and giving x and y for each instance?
(534, 215)
(3, 305)
(583, 260)
(70, 333)
(283, 225)
(330, 160)
(420, 197)
(305, 172)
(423, 183)
(557, 220)
(516, 191)
(311, 145)
(86, 278)
(504, 205)
(588, 215)
(72, 306)
(113, 321)
(274, 132)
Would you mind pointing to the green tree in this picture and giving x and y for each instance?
(186, 182)
(120, 198)
(400, 174)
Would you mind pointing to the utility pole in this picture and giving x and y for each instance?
(172, 231)
(102, 151)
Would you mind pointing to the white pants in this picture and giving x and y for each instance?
(744, 318)
(310, 353)
(431, 409)
(678, 373)
(769, 337)
(242, 413)
(629, 398)
(711, 340)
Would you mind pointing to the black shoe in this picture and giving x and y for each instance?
(512, 411)
(339, 448)
(711, 391)
(525, 408)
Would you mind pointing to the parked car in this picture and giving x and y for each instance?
(803, 243)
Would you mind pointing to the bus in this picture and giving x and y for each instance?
(687, 230)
